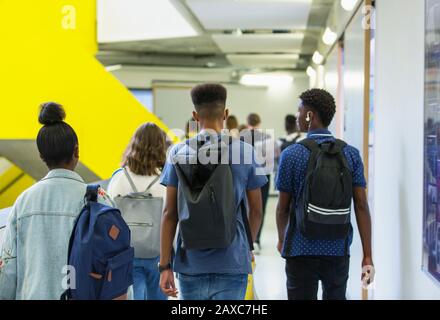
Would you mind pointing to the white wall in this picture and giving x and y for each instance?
(272, 104)
(398, 160)
(352, 131)
(354, 57)
(331, 81)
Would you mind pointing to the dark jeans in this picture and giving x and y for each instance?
(265, 195)
(304, 273)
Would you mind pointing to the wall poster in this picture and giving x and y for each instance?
(431, 212)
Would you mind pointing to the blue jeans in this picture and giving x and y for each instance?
(146, 280)
(213, 286)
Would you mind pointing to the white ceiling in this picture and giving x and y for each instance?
(279, 43)
(263, 60)
(251, 14)
(274, 34)
(136, 20)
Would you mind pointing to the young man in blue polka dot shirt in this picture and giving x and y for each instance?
(309, 261)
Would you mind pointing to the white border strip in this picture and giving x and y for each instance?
(328, 212)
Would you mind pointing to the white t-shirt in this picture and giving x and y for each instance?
(119, 185)
(265, 152)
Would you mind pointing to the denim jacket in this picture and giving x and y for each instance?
(37, 235)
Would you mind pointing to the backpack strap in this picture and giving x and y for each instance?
(314, 149)
(340, 145)
(92, 193)
(252, 134)
(130, 181)
(152, 184)
(310, 144)
(338, 149)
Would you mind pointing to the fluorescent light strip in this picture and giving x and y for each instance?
(269, 80)
(113, 68)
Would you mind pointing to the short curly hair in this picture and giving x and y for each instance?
(321, 102)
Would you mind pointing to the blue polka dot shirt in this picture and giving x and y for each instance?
(290, 178)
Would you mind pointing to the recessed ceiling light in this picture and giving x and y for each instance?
(348, 5)
(237, 32)
(311, 72)
(329, 37)
(318, 58)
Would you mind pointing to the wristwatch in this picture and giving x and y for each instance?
(163, 268)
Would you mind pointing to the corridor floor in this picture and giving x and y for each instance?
(269, 276)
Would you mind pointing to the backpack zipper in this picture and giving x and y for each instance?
(139, 224)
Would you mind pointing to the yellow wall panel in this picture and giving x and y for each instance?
(8, 198)
(9, 175)
(47, 54)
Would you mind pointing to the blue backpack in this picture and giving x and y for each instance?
(99, 253)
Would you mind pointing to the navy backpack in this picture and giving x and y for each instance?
(99, 253)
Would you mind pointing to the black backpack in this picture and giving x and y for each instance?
(207, 191)
(285, 143)
(324, 208)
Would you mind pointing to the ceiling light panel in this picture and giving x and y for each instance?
(136, 20)
(251, 14)
(264, 43)
(263, 60)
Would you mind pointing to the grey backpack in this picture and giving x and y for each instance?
(207, 191)
(143, 214)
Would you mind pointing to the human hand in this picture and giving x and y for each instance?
(368, 272)
(280, 247)
(167, 284)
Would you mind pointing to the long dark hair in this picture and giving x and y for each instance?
(56, 140)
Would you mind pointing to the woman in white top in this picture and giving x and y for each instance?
(143, 159)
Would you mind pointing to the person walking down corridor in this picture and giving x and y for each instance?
(265, 149)
(36, 240)
(232, 126)
(318, 178)
(209, 199)
(142, 163)
(292, 133)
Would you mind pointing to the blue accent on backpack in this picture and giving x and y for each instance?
(99, 253)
